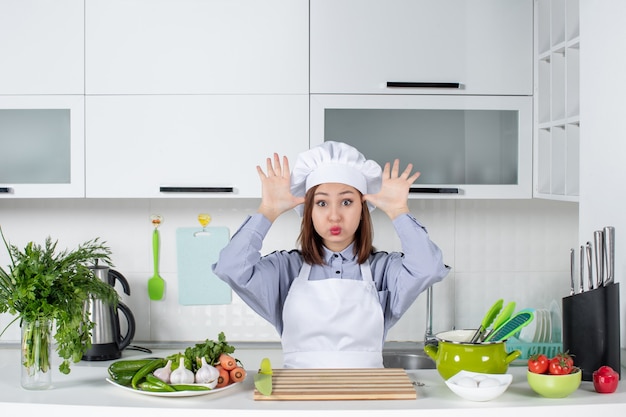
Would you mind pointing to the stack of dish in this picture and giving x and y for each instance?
(545, 328)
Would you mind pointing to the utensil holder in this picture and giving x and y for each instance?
(591, 329)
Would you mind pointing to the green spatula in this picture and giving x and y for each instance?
(504, 315)
(487, 320)
(512, 325)
(156, 284)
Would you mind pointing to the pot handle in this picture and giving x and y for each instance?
(130, 319)
(512, 356)
(431, 350)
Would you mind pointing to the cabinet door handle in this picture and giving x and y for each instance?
(196, 189)
(406, 84)
(433, 190)
(6, 190)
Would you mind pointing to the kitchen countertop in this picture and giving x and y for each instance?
(85, 392)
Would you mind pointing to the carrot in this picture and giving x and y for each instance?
(224, 378)
(237, 374)
(228, 362)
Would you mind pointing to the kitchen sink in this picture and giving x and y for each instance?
(407, 359)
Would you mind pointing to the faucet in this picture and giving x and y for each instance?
(429, 337)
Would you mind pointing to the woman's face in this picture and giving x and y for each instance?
(336, 214)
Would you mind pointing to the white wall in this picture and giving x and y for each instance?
(512, 249)
(602, 128)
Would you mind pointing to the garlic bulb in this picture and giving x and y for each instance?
(207, 374)
(164, 373)
(181, 375)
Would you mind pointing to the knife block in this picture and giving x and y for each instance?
(591, 329)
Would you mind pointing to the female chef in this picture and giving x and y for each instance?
(333, 300)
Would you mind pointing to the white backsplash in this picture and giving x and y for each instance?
(512, 249)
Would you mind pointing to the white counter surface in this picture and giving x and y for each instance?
(85, 392)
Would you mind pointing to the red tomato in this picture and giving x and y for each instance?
(561, 364)
(538, 363)
(605, 380)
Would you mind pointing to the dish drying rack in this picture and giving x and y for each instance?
(529, 349)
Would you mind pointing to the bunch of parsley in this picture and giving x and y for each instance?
(41, 284)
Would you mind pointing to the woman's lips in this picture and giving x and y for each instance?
(335, 230)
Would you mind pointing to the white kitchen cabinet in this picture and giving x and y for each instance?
(557, 108)
(42, 47)
(153, 146)
(42, 141)
(197, 46)
(464, 146)
(485, 46)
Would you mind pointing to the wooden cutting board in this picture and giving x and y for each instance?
(339, 384)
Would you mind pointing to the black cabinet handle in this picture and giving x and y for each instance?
(405, 84)
(6, 190)
(433, 190)
(196, 189)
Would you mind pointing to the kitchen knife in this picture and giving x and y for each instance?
(572, 255)
(263, 379)
(598, 240)
(581, 286)
(609, 250)
(589, 267)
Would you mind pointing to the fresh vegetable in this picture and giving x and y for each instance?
(605, 380)
(182, 375)
(141, 374)
(227, 362)
(538, 363)
(164, 373)
(128, 365)
(42, 284)
(237, 374)
(561, 364)
(151, 379)
(207, 374)
(224, 378)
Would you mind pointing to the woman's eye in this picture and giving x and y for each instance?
(320, 203)
(346, 202)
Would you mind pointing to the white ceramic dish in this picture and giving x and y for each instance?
(527, 334)
(556, 321)
(174, 394)
(460, 384)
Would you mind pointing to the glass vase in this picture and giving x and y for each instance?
(35, 367)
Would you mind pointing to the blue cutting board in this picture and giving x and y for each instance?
(196, 252)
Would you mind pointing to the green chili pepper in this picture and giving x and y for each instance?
(147, 386)
(151, 379)
(145, 370)
(188, 387)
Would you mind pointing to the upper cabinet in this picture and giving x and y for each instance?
(557, 101)
(196, 47)
(186, 146)
(42, 140)
(42, 47)
(422, 47)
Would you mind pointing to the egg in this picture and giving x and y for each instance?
(467, 382)
(488, 382)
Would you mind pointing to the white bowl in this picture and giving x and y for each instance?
(461, 385)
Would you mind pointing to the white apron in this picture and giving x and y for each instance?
(332, 323)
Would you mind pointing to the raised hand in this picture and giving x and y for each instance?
(394, 193)
(276, 188)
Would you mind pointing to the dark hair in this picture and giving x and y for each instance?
(312, 244)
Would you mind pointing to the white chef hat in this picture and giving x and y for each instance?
(335, 162)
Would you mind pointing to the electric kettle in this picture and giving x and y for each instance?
(107, 342)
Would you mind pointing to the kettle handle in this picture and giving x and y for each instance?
(130, 319)
(114, 275)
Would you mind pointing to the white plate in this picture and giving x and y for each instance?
(556, 320)
(174, 394)
(527, 333)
